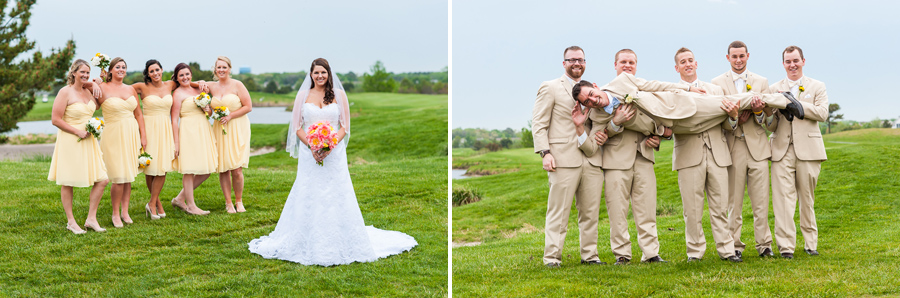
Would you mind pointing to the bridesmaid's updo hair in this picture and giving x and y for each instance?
(178, 68)
(329, 85)
(70, 76)
(150, 62)
(224, 59)
(113, 64)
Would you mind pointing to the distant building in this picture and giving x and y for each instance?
(896, 123)
(244, 70)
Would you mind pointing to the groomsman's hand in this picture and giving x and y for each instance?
(730, 108)
(757, 104)
(549, 163)
(623, 114)
(600, 137)
(667, 133)
(653, 141)
(745, 115)
(696, 90)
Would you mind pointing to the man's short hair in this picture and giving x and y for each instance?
(572, 48)
(576, 90)
(737, 44)
(791, 49)
(681, 50)
(625, 51)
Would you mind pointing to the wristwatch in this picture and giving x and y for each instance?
(544, 152)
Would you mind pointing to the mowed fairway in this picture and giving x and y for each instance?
(398, 155)
(857, 209)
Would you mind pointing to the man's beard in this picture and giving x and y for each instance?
(571, 72)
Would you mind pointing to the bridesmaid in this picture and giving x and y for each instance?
(122, 138)
(156, 99)
(74, 163)
(195, 148)
(234, 145)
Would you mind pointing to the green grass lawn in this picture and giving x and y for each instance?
(856, 208)
(402, 186)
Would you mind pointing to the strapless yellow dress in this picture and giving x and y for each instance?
(160, 142)
(197, 147)
(74, 163)
(121, 139)
(234, 147)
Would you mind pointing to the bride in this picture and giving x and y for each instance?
(321, 223)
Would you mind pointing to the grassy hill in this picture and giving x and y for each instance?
(856, 208)
(398, 166)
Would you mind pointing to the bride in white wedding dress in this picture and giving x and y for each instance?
(321, 223)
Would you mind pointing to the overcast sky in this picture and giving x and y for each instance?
(268, 36)
(502, 51)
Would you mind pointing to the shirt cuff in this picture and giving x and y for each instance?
(761, 118)
(615, 127)
(733, 123)
(582, 138)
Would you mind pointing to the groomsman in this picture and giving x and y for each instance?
(701, 161)
(750, 153)
(628, 157)
(572, 162)
(797, 155)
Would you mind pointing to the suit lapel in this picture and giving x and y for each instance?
(566, 85)
(730, 87)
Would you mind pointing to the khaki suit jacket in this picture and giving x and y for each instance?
(687, 147)
(754, 133)
(618, 151)
(804, 134)
(676, 104)
(553, 129)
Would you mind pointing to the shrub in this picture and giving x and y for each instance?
(463, 195)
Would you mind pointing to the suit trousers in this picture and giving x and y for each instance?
(585, 183)
(793, 180)
(637, 186)
(754, 174)
(693, 182)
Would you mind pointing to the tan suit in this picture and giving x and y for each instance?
(797, 155)
(578, 171)
(750, 152)
(628, 169)
(702, 162)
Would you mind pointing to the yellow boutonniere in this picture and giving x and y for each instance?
(802, 89)
(748, 87)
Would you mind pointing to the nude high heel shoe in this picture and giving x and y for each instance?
(95, 227)
(75, 229)
(150, 214)
(240, 207)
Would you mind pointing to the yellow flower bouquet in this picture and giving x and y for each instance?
(94, 127)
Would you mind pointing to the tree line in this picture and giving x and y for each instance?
(492, 140)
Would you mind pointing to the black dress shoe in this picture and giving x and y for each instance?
(622, 261)
(766, 253)
(693, 259)
(583, 262)
(552, 265)
(787, 255)
(739, 253)
(794, 107)
(812, 252)
(787, 115)
(733, 259)
(655, 259)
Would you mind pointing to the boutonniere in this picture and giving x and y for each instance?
(802, 89)
(748, 87)
(629, 99)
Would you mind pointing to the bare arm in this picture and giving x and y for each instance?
(246, 102)
(59, 111)
(176, 117)
(139, 116)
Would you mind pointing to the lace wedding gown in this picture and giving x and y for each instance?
(321, 223)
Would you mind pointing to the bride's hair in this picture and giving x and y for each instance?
(113, 64)
(147, 69)
(70, 77)
(178, 68)
(329, 85)
(224, 59)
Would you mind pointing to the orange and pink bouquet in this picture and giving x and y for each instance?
(321, 137)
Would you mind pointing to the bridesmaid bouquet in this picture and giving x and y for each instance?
(94, 127)
(101, 61)
(321, 138)
(144, 159)
(219, 113)
(202, 100)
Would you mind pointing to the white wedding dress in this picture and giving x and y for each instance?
(321, 223)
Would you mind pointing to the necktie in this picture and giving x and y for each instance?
(742, 76)
(613, 103)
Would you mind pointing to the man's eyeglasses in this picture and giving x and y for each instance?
(575, 61)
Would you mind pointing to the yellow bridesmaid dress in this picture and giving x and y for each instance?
(121, 139)
(197, 147)
(234, 147)
(160, 142)
(74, 163)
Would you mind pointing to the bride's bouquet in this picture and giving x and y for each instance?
(94, 127)
(101, 61)
(321, 138)
(144, 159)
(219, 113)
(202, 100)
